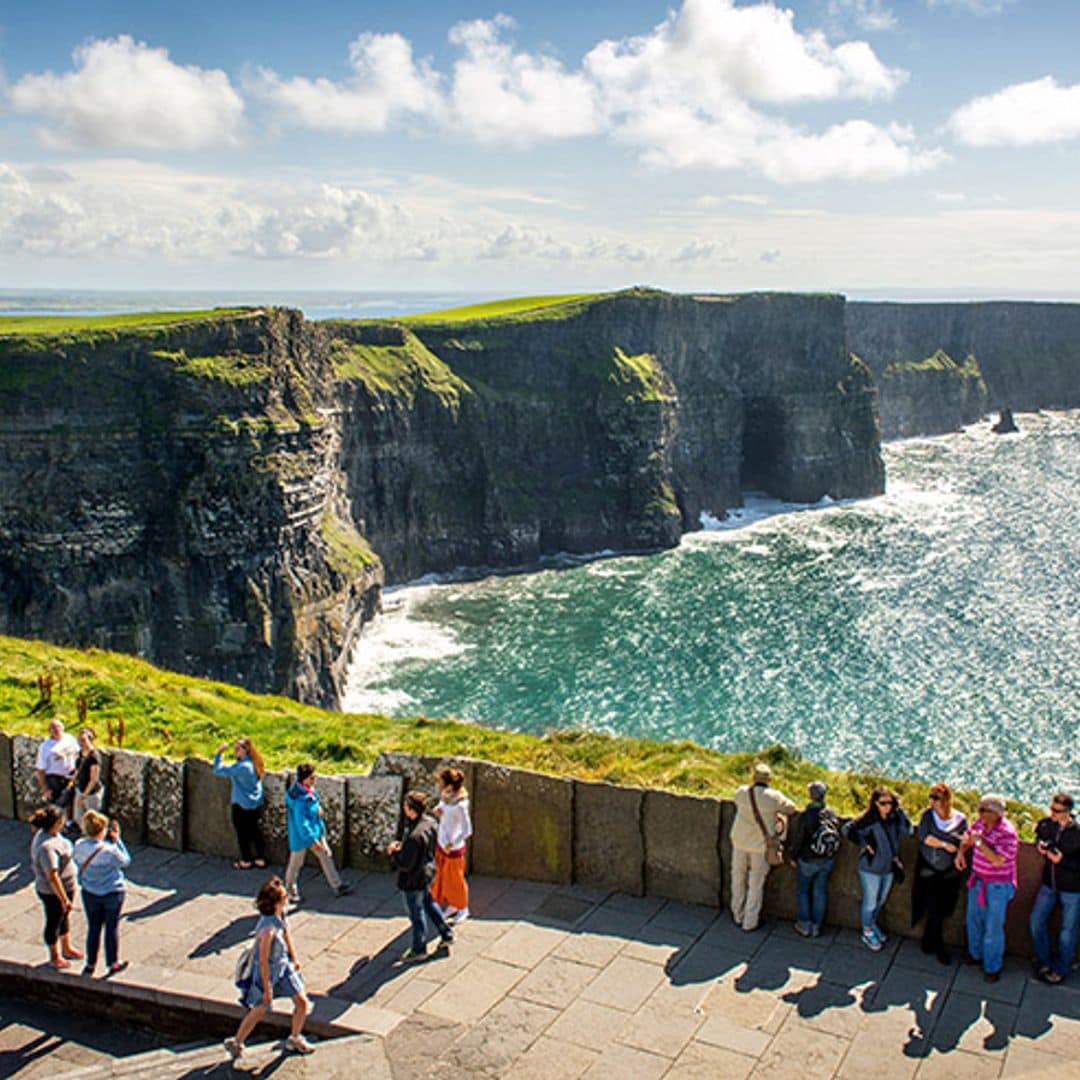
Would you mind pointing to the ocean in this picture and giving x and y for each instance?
(932, 632)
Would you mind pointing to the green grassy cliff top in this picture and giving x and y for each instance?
(177, 716)
(60, 325)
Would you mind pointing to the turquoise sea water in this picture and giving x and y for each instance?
(932, 632)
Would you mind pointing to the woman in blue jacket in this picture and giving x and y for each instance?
(101, 858)
(307, 832)
(246, 798)
(878, 834)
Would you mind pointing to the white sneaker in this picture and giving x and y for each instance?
(233, 1048)
(458, 917)
(298, 1044)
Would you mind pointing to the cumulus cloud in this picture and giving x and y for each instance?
(386, 83)
(499, 93)
(1019, 115)
(701, 90)
(122, 92)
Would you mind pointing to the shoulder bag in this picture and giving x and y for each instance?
(774, 843)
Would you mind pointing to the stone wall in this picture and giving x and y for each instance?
(528, 825)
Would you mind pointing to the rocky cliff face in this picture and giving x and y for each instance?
(1028, 353)
(222, 497)
(931, 396)
(169, 493)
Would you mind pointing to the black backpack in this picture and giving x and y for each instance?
(825, 842)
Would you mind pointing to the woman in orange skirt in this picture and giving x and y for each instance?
(450, 890)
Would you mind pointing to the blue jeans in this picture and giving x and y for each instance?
(986, 925)
(102, 912)
(1045, 901)
(875, 890)
(418, 902)
(813, 889)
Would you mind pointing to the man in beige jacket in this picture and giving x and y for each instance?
(748, 866)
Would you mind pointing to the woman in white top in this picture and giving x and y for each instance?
(450, 890)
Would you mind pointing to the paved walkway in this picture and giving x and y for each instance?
(559, 982)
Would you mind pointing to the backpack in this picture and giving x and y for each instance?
(244, 974)
(825, 842)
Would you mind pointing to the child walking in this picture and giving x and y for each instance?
(414, 856)
(271, 971)
(450, 889)
(307, 832)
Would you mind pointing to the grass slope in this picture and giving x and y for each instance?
(498, 309)
(177, 716)
(53, 325)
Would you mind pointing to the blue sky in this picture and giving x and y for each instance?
(895, 146)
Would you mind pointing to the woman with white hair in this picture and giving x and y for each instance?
(990, 845)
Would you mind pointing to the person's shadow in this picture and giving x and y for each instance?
(14, 878)
(240, 929)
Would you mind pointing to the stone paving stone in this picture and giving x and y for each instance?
(701, 1061)
(411, 996)
(852, 965)
(1051, 1014)
(878, 1054)
(555, 981)
(596, 950)
(690, 919)
(416, 1045)
(655, 945)
(1024, 1060)
(645, 906)
(958, 1066)
(803, 1053)
(585, 1023)
(659, 1032)
(1009, 988)
(564, 909)
(720, 1031)
(624, 984)
(475, 989)
(817, 1008)
(551, 1059)
(748, 1008)
(525, 945)
(679, 1000)
(627, 1064)
(490, 1047)
(704, 964)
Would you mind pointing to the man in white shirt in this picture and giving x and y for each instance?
(55, 763)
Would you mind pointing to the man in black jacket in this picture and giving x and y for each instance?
(813, 849)
(414, 857)
(1058, 839)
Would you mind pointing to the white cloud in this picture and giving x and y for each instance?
(386, 83)
(871, 15)
(502, 94)
(692, 93)
(1020, 115)
(124, 93)
(953, 197)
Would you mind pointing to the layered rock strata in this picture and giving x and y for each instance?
(222, 496)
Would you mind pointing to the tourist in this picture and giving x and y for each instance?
(54, 765)
(877, 833)
(55, 882)
(89, 790)
(755, 804)
(271, 970)
(450, 890)
(101, 858)
(813, 849)
(307, 832)
(1058, 838)
(991, 845)
(246, 800)
(414, 857)
(937, 880)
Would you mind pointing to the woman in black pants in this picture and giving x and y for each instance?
(937, 880)
(247, 797)
(55, 882)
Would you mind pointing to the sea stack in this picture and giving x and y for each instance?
(1006, 425)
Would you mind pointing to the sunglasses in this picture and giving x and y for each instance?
(935, 798)
(1057, 809)
(885, 802)
(987, 810)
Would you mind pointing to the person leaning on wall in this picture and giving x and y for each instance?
(1058, 841)
(759, 810)
(990, 846)
(246, 799)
